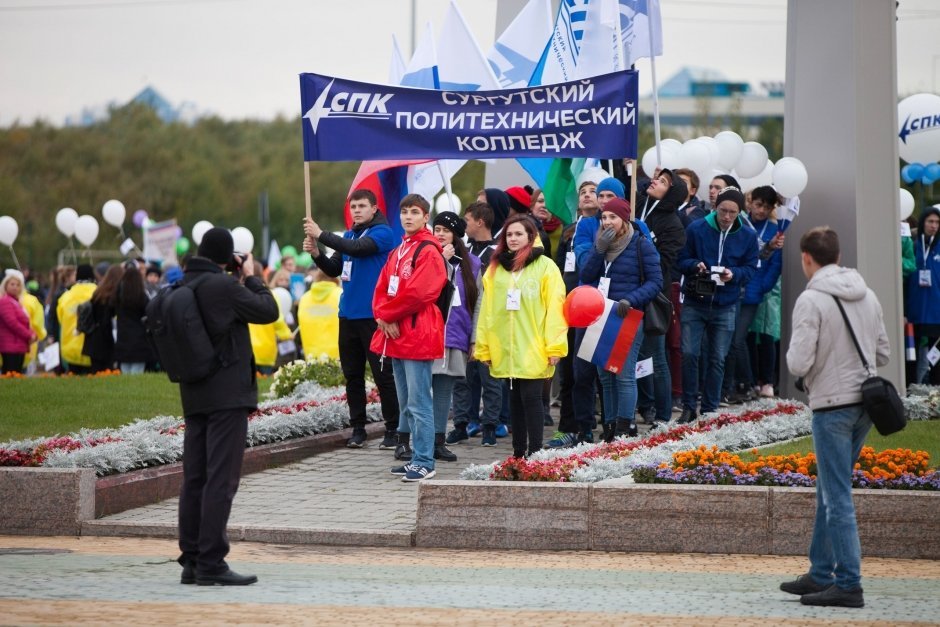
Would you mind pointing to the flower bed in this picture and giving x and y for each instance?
(310, 409)
(898, 469)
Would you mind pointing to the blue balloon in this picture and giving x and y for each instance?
(933, 171)
(916, 170)
(906, 174)
(926, 180)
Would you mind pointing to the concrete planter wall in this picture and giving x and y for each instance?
(46, 501)
(621, 516)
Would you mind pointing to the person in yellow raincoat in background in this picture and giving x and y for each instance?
(265, 337)
(318, 316)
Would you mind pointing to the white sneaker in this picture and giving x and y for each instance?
(767, 391)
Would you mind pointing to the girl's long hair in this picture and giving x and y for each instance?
(521, 255)
(106, 292)
(466, 271)
(131, 292)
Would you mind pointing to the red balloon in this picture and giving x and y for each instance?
(584, 306)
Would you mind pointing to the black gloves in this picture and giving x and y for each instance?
(623, 306)
(604, 239)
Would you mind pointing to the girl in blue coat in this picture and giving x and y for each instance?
(613, 266)
(923, 294)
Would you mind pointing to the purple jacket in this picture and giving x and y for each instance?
(459, 321)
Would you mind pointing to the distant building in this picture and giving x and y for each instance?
(697, 98)
(186, 112)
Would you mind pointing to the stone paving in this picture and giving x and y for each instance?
(71, 581)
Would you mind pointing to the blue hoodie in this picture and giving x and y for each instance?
(739, 256)
(769, 265)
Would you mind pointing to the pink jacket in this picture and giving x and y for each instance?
(14, 326)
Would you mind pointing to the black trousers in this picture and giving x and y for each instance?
(354, 339)
(12, 362)
(526, 415)
(213, 448)
(565, 369)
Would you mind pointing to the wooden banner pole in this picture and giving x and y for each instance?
(307, 187)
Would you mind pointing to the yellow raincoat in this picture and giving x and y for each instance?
(37, 321)
(318, 316)
(264, 339)
(70, 340)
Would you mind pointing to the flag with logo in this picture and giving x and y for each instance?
(608, 341)
(641, 29)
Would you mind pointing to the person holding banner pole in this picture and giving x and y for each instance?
(521, 332)
(624, 266)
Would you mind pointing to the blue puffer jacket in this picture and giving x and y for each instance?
(923, 303)
(768, 267)
(624, 272)
(739, 256)
(586, 232)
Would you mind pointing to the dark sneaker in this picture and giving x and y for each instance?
(632, 430)
(417, 473)
(457, 435)
(474, 429)
(548, 421)
(834, 596)
(688, 415)
(358, 439)
(562, 440)
(804, 584)
(189, 574)
(659, 424)
(400, 471)
(390, 441)
(489, 435)
(586, 437)
(228, 578)
(502, 430)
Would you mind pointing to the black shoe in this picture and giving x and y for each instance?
(489, 435)
(403, 450)
(834, 596)
(457, 435)
(228, 578)
(548, 422)
(688, 415)
(189, 574)
(390, 441)
(659, 424)
(632, 430)
(804, 584)
(647, 415)
(358, 438)
(609, 431)
(586, 437)
(441, 452)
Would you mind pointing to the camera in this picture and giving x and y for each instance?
(236, 263)
(703, 286)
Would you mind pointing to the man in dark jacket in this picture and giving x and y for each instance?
(358, 258)
(216, 409)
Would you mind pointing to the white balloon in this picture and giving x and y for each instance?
(753, 160)
(86, 229)
(114, 212)
(906, 203)
(790, 177)
(670, 144)
(65, 221)
(649, 161)
(9, 229)
(672, 157)
(592, 174)
(199, 229)
(730, 145)
(714, 152)
(919, 143)
(244, 240)
(764, 178)
(694, 155)
(447, 202)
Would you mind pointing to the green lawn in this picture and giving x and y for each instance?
(36, 407)
(917, 436)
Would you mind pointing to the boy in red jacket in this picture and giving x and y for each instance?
(411, 328)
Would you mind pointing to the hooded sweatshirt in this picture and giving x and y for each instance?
(738, 254)
(923, 301)
(665, 226)
(821, 348)
(317, 316)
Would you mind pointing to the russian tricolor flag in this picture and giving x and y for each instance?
(388, 180)
(607, 342)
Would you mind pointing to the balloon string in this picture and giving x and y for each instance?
(15, 260)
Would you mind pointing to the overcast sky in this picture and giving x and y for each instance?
(240, 58)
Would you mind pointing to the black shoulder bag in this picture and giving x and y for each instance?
(657, 315)
(879, 396)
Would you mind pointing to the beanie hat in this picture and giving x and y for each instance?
(733, 194)
(102, 268)
(610, 184)
(217, 245)
(84, 272)
(619, 207)
(450, 221)
(499, 201)
(519, 199)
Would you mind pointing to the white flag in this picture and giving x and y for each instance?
(396, 68)
(423, 70)
(518, 50)
(639, 21)
(460, 61)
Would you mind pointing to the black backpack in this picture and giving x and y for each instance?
(178, 334)
(446, 297)
(86, 318)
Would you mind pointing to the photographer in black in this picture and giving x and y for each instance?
(719, 258)
(216, 408)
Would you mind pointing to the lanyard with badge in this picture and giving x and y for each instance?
(570, 262)
(603, 284)
(393, 280)
(760, 243)
(346, 275)
(514, 294)
(924, 278)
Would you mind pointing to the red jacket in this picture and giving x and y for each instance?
(413, 306)
(14, 326)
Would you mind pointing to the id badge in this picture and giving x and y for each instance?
(923, 278)
(569, 261)
(604, 285)
(758, 263)
(455, 301)
(512, 300)
(392, 285)
(933, 356)
(347, 270)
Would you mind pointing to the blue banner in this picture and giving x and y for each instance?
(351, 121)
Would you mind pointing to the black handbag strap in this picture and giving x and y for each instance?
(852, 333)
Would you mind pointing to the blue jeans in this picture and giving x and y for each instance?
(132, 367)
(717, 325)
(620, 389)
(835, 551)
(442, 391)
(467, 399)
(655, 390)
(416, 407)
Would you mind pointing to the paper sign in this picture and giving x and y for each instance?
(286, 347)
(933, 356)
(644, 368)
(127, 246)
(905, 229)
(49, 357)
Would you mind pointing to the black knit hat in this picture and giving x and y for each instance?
(84, 272)
(734, 195)
(217, 245)
(450, 221)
